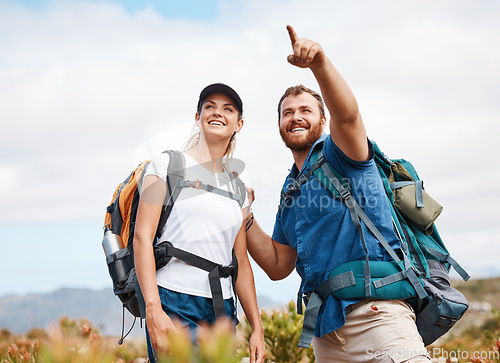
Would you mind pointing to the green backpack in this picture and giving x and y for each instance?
(419, 274)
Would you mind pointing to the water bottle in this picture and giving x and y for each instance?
(111, 242)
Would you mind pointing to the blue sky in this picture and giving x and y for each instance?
(90, 88)
(190, 9)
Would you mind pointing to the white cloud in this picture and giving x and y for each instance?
(87, 90)
(8, 179)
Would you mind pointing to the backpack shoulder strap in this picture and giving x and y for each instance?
(315, 161)
(317, 158)
(238, 187)
(175, 175)
(357, 215)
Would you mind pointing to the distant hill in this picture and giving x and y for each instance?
(486, 291)
(483, 296)
(20, 313)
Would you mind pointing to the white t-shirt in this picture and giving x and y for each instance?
(203, 223)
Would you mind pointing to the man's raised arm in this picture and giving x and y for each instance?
(346, 125)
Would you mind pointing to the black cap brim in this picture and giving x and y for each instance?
(221, 88)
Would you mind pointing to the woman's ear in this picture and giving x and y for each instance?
(239, 125)
(197, 119)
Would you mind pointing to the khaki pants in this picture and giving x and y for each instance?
(375, 331)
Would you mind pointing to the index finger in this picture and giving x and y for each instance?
(292, 34)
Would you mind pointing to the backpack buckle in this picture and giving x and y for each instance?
(417, 271)
(306, 297)
(226, 271)
(345, 194)
(294, 186)
(197, 184)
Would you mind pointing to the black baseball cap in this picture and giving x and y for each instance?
(221, 88)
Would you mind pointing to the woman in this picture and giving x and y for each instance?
(206, 224)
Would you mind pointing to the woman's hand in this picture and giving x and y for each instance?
(250, 196)
(257, 347)
(247, 212)
(159, 326)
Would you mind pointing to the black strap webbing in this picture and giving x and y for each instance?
(215, 272)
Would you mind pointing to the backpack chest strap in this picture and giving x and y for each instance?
(198, 184)
(296, 184)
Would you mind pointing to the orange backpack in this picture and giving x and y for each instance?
(120, 220)
(119, 224)
(125, 198)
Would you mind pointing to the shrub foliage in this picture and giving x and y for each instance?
(79, 341)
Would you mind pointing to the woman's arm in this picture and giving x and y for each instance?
(148, 215)
(245, 288)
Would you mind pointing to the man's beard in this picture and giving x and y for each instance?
(312, 136)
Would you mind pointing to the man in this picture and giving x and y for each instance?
(314, 232)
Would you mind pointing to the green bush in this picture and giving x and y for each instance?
(37, 334)
(79, 341)
(282, 336)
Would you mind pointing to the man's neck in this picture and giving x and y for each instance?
(300, 157)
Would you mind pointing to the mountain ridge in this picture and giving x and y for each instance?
(21, 313)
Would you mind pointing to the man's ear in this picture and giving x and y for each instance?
(323, 122)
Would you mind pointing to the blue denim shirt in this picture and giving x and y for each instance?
(320, 229)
